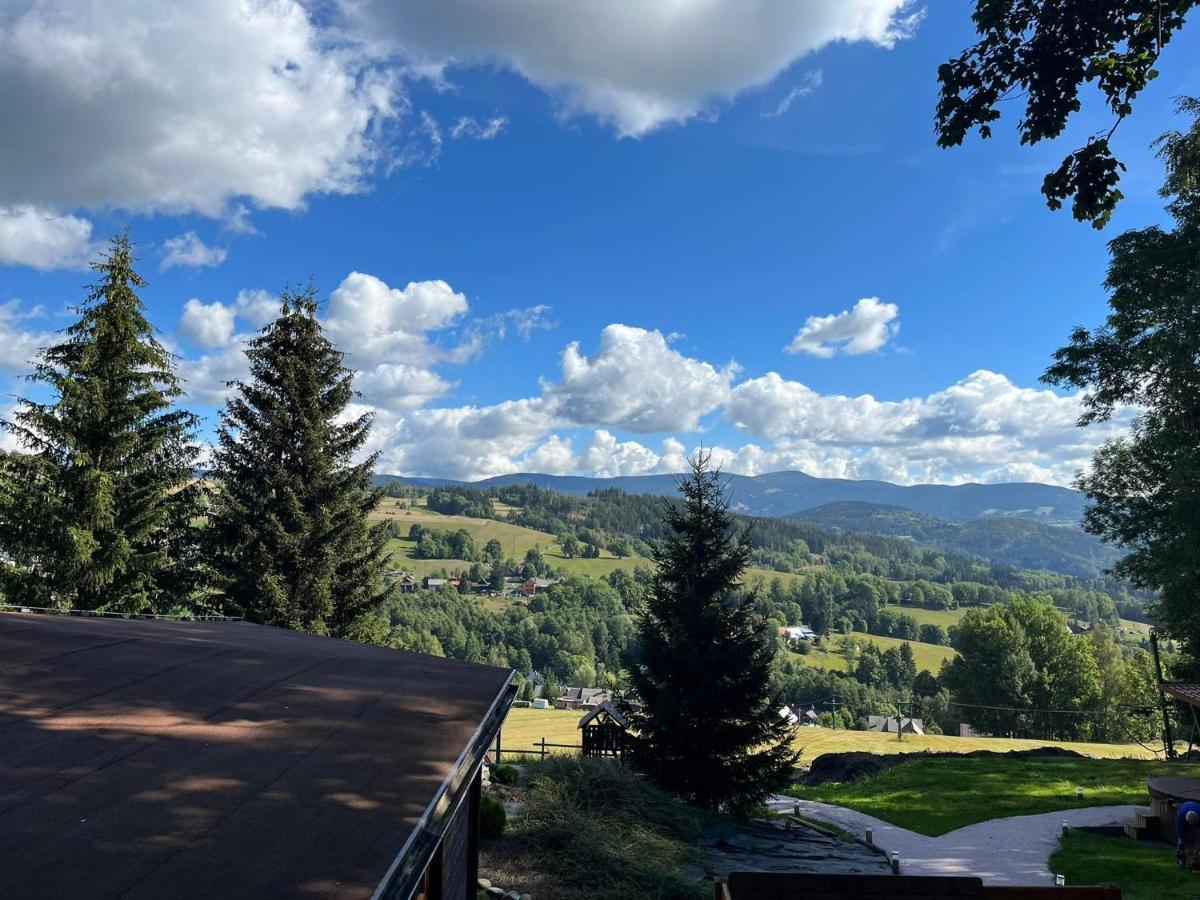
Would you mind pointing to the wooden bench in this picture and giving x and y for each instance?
(788, 886)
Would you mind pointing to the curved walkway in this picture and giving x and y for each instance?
(1015, 850)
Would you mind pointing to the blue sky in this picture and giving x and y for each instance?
(576, 237)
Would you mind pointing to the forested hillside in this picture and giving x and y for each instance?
(1008, 540)
(899, 570)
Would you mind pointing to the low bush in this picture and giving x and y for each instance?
(505, 774)
(492, 818)
(593, 829)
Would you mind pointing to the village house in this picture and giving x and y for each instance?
(582, 698)
(532, 586)
(408, 584)
(223, 759)
(794, 715)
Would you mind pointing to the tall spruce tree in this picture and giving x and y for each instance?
(290, 541)
(96, 513)
(706, 709)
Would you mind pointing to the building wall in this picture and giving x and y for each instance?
(460, 848)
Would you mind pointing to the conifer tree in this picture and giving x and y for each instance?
(706, 711)
(290, 541)
(96, 513)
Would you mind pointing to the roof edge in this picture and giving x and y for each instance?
(402, 877)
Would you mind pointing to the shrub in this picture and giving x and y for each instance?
(505, 774)
(492, 817)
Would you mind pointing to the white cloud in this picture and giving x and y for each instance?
(189, 251)
(809, 83)
(982, 428)
(554, 456)
(185, 106)
(384, 331)
(638, 64)
(206, 378)
(461, 442)
(375, 322)
(401, 386)
(468, 127)
(207, 324)
(42, 239)
(636, 381)
(257, 307)
(866, 327)
(606, 457)
(18, 344)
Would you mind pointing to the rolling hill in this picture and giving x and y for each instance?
(1012, 541)
(783, 493)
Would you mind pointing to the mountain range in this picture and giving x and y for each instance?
(785, 493)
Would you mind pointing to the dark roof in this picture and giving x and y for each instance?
(608, 708)
(1183, 691)
(175, 759)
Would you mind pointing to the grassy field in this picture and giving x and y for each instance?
(1143, 871)
(525, 727)
(515, 539)
(935, 796)
(927, 656)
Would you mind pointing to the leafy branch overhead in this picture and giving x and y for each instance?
(1043, 52)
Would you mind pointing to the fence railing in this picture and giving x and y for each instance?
(541, 749)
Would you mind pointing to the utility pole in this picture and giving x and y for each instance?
(1168, 738)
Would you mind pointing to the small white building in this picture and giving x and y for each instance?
(797, 633)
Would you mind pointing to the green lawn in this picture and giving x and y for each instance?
(935, 796)
(927, 656)
(1143, 871)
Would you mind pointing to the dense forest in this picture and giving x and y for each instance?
(1008, 540)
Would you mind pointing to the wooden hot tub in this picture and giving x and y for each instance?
(1167, 793)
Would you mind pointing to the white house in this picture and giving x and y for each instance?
(796, 633)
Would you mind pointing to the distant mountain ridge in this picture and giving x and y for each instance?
(784, 493)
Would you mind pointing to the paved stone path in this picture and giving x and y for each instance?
(1015, 850)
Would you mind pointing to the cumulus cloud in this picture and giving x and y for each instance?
(256, 307)
(207, 324)
(462, 442)
(384, 331)
(186, 106)
(866, 327)
(42, 239)
(189, 251)
(637, 64)
(590, 419)
(18, 343)
(983, 427)
(635, 380)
